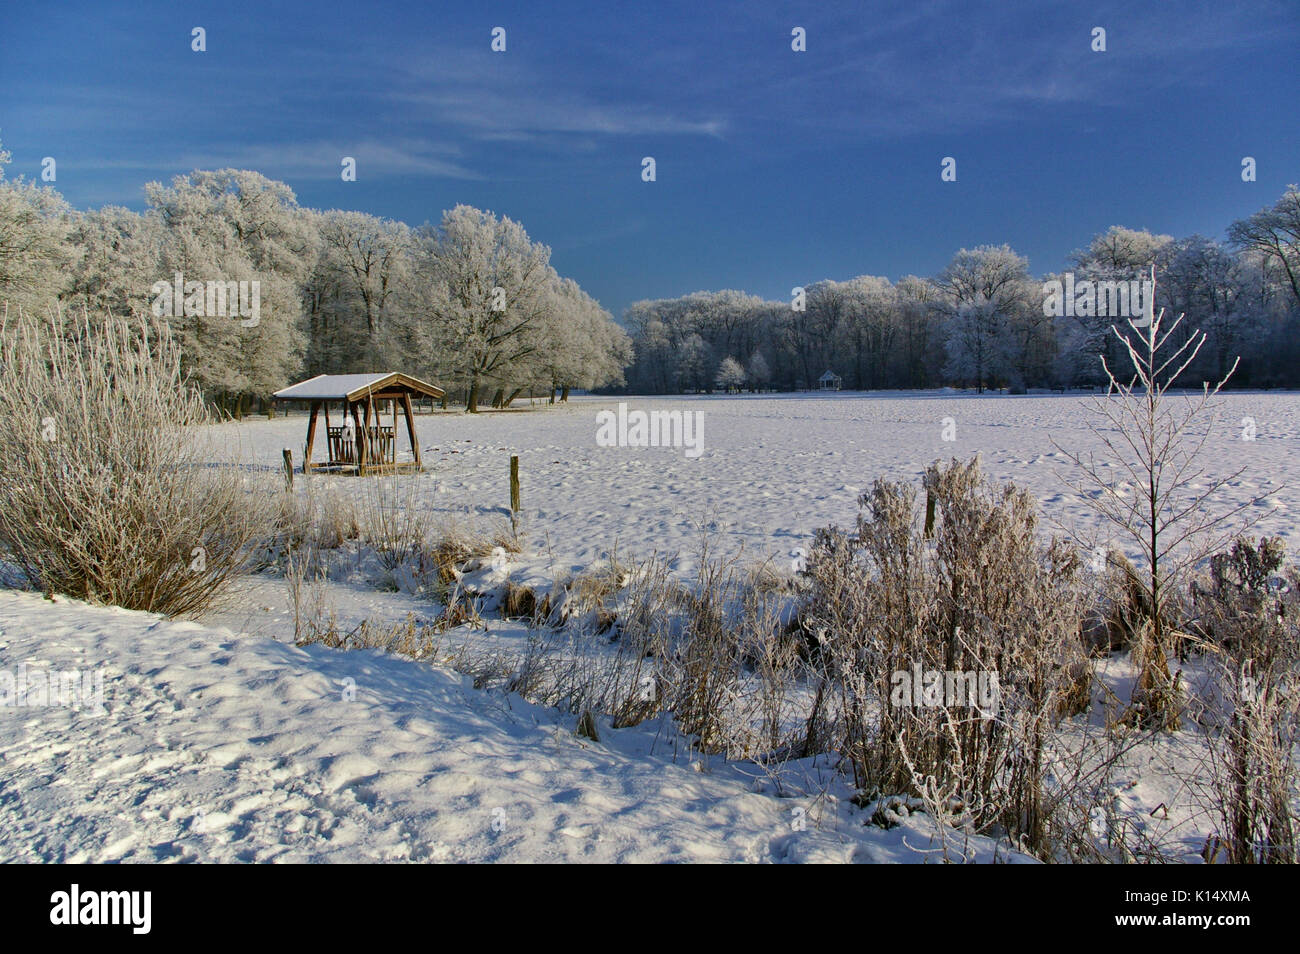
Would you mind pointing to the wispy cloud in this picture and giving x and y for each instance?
(304, 160)
(514, 100)
(934, 67)
(497, 115)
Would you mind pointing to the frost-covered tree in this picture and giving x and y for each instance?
(692, 364)
(1118, 254)
(34, 255)
(724, 322)
(367, 261)
(813, 331)
(976, 345)
(655, 370)
(1274, 233)
(580, 347)
(730, 376)
(1205, 282)
(757, 373)
(118, 261)
(870, 327)
(328, 312)
(234, 225)
(986, 289)
(490, 291)
(920, 342)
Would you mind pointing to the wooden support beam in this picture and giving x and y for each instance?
(410, 430)
(311, 436)
(360, 441)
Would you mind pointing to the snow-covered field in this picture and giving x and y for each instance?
(221, 741)
(774, 468)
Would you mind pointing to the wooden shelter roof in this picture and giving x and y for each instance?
(355, 387)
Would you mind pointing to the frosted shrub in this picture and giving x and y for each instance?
(1248, 612)
(985, 598)
(106, 492)
(393, 523)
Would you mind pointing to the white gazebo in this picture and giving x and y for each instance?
(830, 381)
(364, 444)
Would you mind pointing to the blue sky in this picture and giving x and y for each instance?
(775, 168)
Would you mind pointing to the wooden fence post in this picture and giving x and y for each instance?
(288, 469)
(514, 484)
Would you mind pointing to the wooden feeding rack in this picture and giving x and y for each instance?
(361, 443)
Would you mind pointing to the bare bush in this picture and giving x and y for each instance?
(1249, 617)
(985, 604)
(578, 661)
(407, 637)
(324, 518)
(632, 642)
(392, 522)
(106, 492)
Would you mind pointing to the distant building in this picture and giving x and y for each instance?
(830, 381)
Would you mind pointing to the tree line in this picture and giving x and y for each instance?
(981, 322)
(471, 302)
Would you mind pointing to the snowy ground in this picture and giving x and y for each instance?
(218, 747)
(774, 468)
(222, 741)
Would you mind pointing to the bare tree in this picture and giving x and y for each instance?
(1163, 499)
(1275, 233)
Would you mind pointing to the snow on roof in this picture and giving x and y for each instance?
(828, 376)
(337, 387)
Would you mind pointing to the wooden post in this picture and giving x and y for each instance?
(288, 470)
(360, 442)
(929, 513)
(410, 430)
(366, 415)
(311, 436)
(514, 484)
